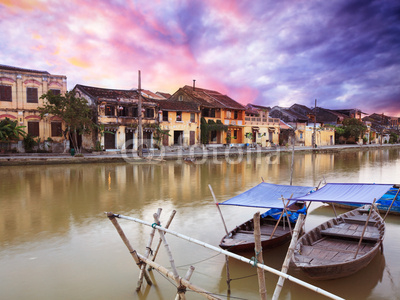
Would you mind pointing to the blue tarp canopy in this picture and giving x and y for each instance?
(268, 195)
(362, 193)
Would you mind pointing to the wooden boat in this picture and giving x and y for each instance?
(241, 238)
(275, 228)
(383, 204)
(333, 249)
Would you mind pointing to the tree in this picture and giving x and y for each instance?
(351, 128)
(74, 111)
(9, 130)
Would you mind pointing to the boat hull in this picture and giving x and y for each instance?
(328, 251)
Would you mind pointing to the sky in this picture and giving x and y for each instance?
(343, 53)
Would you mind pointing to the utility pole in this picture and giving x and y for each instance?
(140, 129)
(315, 124)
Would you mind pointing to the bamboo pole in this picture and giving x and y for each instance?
(171, 259)
(228, 279)
(287, 215)
(160, 240)
(365, 227)
(258, 256)
(121, 233)
(391, 204)
(183, 281)
(181, 287)
(277, 223)
(288, 257)
(233, 255)
(147, 253)
(219, 210)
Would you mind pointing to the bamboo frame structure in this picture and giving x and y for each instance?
(147, 253)
(160, 240)
(259, 256)
(230, 254)
(288, 257)
(121, 233)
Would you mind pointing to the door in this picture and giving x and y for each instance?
(109, 140)
(192, 139)
(129, 140)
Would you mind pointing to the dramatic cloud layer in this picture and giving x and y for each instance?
(344, 53)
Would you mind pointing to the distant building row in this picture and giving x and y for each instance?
(191, 116)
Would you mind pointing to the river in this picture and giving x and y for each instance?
(57, 243)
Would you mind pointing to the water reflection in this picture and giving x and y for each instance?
(51, 211)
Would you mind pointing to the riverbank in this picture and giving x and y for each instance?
(188, 155)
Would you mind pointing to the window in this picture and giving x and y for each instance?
(208, 112)
(165, 116)
(56, 129)
(213, 136)
(31, 95)
(123, 111)
(212, 113)
(235, 114)
(134, 112)
(149, 113)
(109, 110)
(179, 116)
(55, 92)
(192, 117)
(180, 98)
(228, 114)
(33, 128)
(5, 93)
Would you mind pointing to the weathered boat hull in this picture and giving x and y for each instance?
(328, 250)
(241, 239)
(247, 242)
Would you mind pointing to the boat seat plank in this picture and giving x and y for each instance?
(352, 232)
(360, 219)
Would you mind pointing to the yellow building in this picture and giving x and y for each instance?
(20, 92)
(180, 120)
(260, 128)
(221, 117)
(117, 112)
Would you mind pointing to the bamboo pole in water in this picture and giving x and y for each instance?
(183, 281)
(236, 256)
(147, 253)
(160, 240)
(171, 259)
(181, 287)
(114, 221)
(288, 257)
(228, 279)
(259, 256)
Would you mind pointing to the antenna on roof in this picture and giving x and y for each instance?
(194, 84)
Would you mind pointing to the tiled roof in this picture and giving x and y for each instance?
(211, 99)
(165, 95)
(96, 92)
(175, 105)
(16, 69)
(151, 95)
(254, 106)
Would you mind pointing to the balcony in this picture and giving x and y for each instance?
(261, 121)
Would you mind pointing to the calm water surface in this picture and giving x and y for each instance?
(56, 243)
